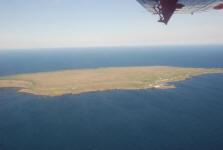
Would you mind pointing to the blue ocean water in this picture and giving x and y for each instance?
(30, 61)
(186, 118)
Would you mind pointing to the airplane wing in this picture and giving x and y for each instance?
(166, 8)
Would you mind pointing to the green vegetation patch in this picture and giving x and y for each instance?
(89, 80)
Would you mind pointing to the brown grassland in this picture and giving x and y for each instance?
(101, 79)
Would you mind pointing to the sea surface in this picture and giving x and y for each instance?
(189, 117)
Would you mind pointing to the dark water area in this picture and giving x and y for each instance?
(188, 117)
(43, 60)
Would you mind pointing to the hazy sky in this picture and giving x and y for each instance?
(77, 23)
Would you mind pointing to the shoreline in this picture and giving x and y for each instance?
(102, 79)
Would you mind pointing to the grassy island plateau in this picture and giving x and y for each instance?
(89, 80)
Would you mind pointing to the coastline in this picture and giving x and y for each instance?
(115, 78)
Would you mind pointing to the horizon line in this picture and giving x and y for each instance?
(118, 46)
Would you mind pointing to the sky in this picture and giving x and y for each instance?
(90, 23)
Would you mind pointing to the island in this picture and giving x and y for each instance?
(101, 79)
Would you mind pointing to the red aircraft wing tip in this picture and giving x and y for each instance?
(218, 7)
